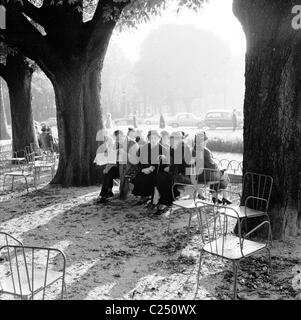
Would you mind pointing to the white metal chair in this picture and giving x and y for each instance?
(216, 223)
(45, 161)
(204, 184)
(24, 169)
(234, 171)
(28, 271)
(255, 197)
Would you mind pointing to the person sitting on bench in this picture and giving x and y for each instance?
(111, 171)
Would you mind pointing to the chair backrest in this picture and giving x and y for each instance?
(257, 186)
(19, 154)
(28, 269)
(217, 223)
(49, 157)
(28, 150)
(234, 167)
(224, 163)
(7, 239)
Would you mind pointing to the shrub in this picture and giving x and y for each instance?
(227, 146)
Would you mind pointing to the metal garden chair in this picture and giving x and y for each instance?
(224, 163)
(27, 271)
(255, 198)
(24, 169)
(45, 161)
(206, 189)
(234, 171)
(216, 221)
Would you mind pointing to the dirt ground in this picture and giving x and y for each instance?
(117, 251)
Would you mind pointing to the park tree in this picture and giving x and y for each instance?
(70, 50)
(272, 108)
(4, 134)
(181, 63)
(17, 72)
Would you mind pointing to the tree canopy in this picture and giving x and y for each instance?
(184, 63)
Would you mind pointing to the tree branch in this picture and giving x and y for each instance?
(98, 30)
(20, 33)
(31, 11)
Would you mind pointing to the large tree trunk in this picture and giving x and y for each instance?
(71, 54)
(18, 79)
(272, 108)
(79, 118)
(4, 135)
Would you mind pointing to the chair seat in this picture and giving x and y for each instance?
(244, 212)
(235, 177)
(6, 284)
(230, 247)
(43, 164)
(185, 203)
(16, 159)
(18, 173)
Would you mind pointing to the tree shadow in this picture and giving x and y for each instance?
(116, 243)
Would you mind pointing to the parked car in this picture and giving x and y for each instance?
(155, 120)
(127, 121)
(185, 120)
(51, 122)
(222, 119)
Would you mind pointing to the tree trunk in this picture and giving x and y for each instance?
(78, 118)
(18, 78)
(272, 107)
(4, 135)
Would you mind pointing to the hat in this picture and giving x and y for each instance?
(44, 129)
(118, 132)
(177, 134)
(153, 133)
(164, 133)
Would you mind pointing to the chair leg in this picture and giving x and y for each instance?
(189, 224)
(198, 274)
(65, 291)
(12, 184)
(270, 231)
(26, 184)
(270, 259)
(235, 271)
(168, 228)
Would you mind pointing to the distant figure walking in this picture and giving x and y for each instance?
(109, 121)
(162, 122)
(46, 141)
(234, 120)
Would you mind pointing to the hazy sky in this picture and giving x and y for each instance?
(216, 17)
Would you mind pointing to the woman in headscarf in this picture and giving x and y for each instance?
(149, 164)
(177, 171)
(130, 167)
(207, 162)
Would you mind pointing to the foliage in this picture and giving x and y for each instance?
(180, 63)
(227, 146)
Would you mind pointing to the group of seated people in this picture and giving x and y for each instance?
(154, 164)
